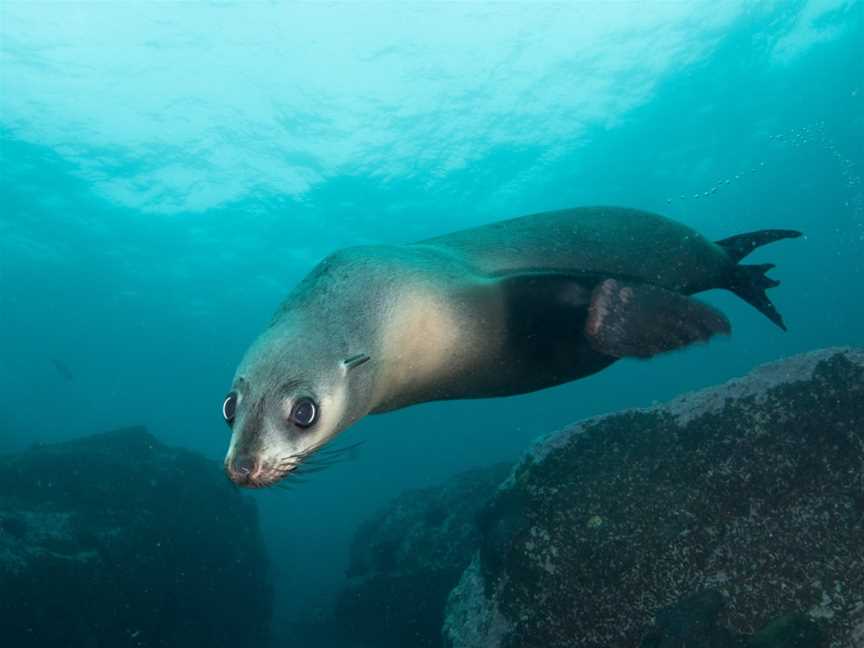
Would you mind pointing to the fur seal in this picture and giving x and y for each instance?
(501, 309)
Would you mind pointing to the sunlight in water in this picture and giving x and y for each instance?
(208, 104)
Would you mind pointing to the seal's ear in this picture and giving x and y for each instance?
(354, 361)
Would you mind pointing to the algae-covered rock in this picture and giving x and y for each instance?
(753, 489)
(792, 631)
(117, 541)
(406, 559)
(695, 623)
(692, 622)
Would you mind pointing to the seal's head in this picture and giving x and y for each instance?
(285, 403)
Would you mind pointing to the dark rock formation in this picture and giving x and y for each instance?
(116, 540)
(694, 622)
(406, 559)
(754, 489)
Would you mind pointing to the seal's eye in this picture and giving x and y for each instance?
(229, 407)
(304, 413)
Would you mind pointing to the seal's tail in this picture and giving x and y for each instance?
(749, 282)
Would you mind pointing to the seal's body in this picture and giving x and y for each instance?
(501, 309)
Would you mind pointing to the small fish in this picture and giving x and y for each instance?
(63, 369)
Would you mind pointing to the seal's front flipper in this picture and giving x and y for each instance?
(641, 320)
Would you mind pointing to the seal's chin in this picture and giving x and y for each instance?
(256, 474)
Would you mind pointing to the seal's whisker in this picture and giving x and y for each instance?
(325, 461)
(316, 459)
(332, 452)
(344, 448)
(313, 462)
(285, 472)
(333, 456)
(307, 470)
(316, 467)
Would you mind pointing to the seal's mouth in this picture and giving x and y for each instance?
(255, 474)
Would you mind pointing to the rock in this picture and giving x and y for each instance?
(117, 541)
(754, 489)
(406, 559)
(792, 631)
(692, 622)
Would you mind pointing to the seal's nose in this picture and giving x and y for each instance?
(243, 464)
(240, 469)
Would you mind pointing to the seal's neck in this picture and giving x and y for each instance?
(421, 338)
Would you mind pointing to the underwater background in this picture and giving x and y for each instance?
(170, 170)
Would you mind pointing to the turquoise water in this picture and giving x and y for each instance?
(169, 171)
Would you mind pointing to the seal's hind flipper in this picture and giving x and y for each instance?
(739, 246)
(641, 321)
(749, 282)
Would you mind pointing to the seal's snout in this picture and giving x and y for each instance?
(243, 465)
(251, 472)
(241, 470)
